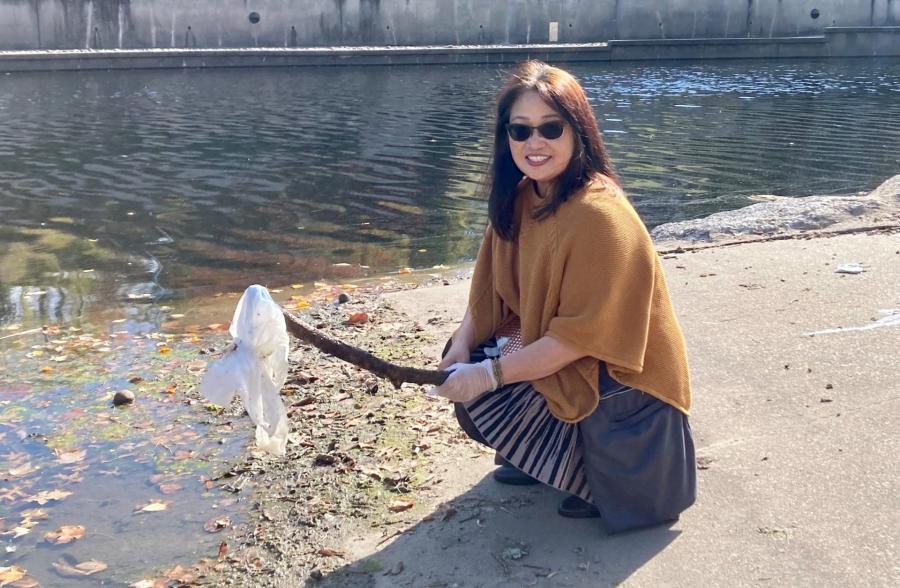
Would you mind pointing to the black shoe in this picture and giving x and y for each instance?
(574, 507)
(507, 474)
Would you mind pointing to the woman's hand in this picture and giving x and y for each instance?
(458, 353)
(467, 381)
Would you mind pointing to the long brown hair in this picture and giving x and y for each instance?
(562, 92)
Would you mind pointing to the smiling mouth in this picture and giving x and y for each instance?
(537, 159)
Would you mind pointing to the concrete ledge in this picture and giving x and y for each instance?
(837, 42)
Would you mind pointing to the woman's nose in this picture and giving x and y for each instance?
(535, 140)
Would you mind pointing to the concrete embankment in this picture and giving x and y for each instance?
(838, 42)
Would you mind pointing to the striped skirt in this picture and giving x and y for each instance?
(633, 458)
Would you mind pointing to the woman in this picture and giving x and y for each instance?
(569, 361)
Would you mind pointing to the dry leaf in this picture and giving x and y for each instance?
(405, 270)
(153, 506)
(164, 350)
(17, 532)
(223, 550)
(179, 574)
(85, 568)
(34, 514)
(46, 496)
(358, 318)
(26, 582)
(71, 456)
(399, 505)
(328, 552)
(214, 525)
(11, 574)
(65, 534)
(22, 470)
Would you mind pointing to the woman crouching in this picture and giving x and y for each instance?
(570, 362)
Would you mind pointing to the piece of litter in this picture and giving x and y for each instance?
(849, 268)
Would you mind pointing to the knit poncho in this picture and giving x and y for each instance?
(589, 277)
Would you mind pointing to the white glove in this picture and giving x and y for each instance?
(467, 381)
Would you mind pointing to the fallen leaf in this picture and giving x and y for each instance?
(179, 574)
(171, 389)
(85, 568)
(11, 574)
(46, 496)
(223, 550)
(65, 534)
(153, 506)
(22, 470)
(17, 532)
(47, 369)
(216, 524)
(405, 270)
(328, 552)
(34, 514)
(26, 582)
(164, 350)
(169, 488)
(71, 456)
(399, 505)
(358, 318)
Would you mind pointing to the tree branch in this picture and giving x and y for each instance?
(394, 373)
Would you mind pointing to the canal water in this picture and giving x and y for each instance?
(133, 202)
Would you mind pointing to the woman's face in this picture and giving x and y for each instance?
(539, 158)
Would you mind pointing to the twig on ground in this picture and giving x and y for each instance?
(394, 373)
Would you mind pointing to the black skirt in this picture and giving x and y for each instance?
(633, 457)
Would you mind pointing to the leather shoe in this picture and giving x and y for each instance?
(574, 507)
(507, 474)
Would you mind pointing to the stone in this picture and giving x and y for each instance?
(123, 397)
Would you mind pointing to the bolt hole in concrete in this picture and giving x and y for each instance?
(814, 13)
(254, 17)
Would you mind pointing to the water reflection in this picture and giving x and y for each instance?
(122, 186)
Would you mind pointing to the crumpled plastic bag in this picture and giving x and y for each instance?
(255, 368)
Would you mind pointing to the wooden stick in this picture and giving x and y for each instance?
(394, 373)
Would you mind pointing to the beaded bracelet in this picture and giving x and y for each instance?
(498, 373)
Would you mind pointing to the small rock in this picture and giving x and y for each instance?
(829, 387)
(325, 459)
(343, 298)
(123, 397)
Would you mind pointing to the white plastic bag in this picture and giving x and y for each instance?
(255, 368)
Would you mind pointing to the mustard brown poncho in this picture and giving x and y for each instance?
(588, 276)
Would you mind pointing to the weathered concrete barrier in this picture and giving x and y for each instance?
(171, 24)
(836, 42)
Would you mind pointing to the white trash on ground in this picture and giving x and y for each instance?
(255, 368)
(849, 268)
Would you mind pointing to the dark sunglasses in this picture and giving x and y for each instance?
(549, 130)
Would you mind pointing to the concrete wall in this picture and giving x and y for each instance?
(111, 24)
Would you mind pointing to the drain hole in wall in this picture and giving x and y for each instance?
(254, 17)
